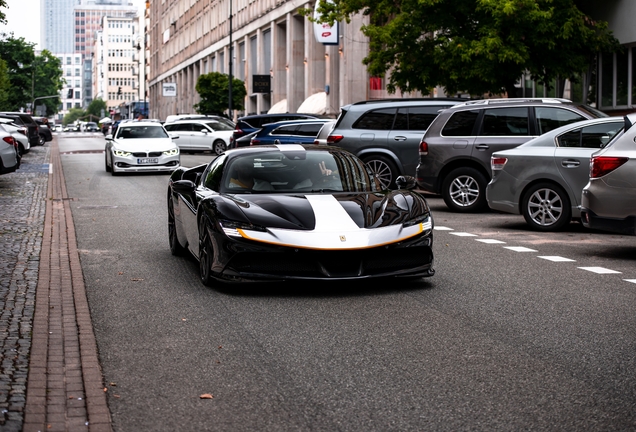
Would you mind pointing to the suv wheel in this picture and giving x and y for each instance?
(464, 190)
(218, 147)
(382, 169)
(546, 207)
(41, 140)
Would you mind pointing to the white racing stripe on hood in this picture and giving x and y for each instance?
(334, 230)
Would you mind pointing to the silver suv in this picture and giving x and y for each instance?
(386, 133)
(455, 151)
(202, 134)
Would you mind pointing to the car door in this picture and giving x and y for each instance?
(200, 137)
(573, 152)
(183, 130)
(500, 129)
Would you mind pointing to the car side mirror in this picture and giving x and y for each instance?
(184, 186)
(205, 131)
(405, 182)
(174, 137)
(109, 137)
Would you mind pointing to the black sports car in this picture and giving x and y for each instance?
(296, 212)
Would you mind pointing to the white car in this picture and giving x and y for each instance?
(141, 147)
(19, 133)
(9, 157)
(203, 134)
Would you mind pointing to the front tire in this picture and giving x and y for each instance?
(41, 140)
(175, 247)
(464, 190)
(219, 147)
(106, 166)
(206, 252)
(382, 169)
(546, 207)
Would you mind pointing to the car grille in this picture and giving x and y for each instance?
(333, 264)
(144, 154)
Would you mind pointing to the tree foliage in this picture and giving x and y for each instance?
(213, 88)
(479, 46)
(4, 83)
(29, 76)
(72, 115)
(96, 107)
(3, 17)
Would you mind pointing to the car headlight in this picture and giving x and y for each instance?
(230, 228)
(425, 220)
(121, 153)
(171, 152)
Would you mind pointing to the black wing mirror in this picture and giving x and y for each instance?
(405, 182)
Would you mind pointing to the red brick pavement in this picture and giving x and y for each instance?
(65, 388)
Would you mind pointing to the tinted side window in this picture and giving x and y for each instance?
(551, 118)
(461, 123)
(212, 178)
(505, 122)
(309, 130)
(381, 119)
(594, 136)
(420, 118)
(284, 130)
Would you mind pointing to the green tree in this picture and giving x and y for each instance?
(46, 70)
(3, 17)
(4, 83)
(213, 88)
(95, 108)
(19, 55)
(479, 46)
(72, 115)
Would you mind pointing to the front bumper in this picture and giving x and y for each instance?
(140, 164)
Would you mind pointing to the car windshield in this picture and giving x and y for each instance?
(219, 126)
(296, 172)
(135, 132)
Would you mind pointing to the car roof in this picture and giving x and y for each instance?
(366, 104)
(298, 121)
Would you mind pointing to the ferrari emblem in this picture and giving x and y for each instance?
(343, 238)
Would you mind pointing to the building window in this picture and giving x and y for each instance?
(617, 79)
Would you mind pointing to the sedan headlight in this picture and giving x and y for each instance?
(230, 228)
(171, 152)
(425, 220)
(121, 153)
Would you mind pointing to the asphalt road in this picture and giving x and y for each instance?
(499, 339)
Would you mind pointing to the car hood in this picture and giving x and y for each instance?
(144, 144)
(305, 212)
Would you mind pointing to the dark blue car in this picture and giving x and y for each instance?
(289, 132)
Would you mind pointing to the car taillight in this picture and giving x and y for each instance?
(497, 163)
(423, 148)
(9, 140)
(255, 141)
(602, 165)
(334, 139)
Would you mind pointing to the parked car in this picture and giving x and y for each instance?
(44, 129)
(27, 121)
(19, 133)
(608, 201)
(386, 133)
(324, 132)
(543, 178)
(296, 212)
(9, 157)
(175, 117)
(141, 147)
(91, 127)
(252, 123)
(205, 134)
(301, 131)
(455, 151)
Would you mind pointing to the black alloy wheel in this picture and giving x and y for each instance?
(464, 190)
(175, 247)
(41, 140)
(205, 256)
(546, 207)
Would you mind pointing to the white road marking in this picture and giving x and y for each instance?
(519, 249)
(557, 259)
(630, 280)
(443, 228)
(490, 241)
(463, 234)
(599, 270)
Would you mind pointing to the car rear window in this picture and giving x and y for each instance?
(461, 123)
(551, 118)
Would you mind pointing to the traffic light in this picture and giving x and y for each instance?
(119, 91)
(70, 94)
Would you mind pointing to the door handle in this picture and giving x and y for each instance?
(399, 138)
(570, 163)
(482, 147)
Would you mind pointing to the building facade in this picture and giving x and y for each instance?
(118, 77)
(56, 25)
(269, 38)
(72, 93)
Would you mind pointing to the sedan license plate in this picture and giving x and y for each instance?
(146, 161)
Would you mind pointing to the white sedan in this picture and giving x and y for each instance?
(141, 147)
